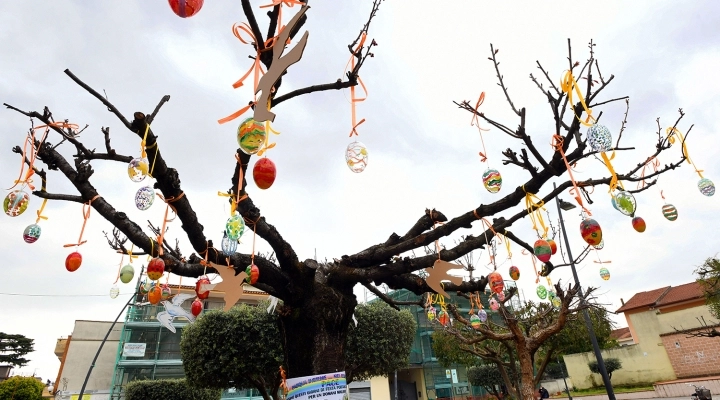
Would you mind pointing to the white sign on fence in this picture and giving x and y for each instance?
(134, 349)
(317, 387)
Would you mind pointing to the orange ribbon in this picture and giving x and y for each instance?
(651, 162)
(353, 98)
(575, 192)
(169, 202)
(476, 122)
(30, 139)
(289, 3)
(86, 214)
(532, 257)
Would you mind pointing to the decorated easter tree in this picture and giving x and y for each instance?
(317, 299)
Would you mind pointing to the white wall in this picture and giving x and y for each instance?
(86, 338)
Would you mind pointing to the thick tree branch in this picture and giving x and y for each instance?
(250, 15)
(339, 84)
(98, 96)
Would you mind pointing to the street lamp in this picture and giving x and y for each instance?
(588, 323)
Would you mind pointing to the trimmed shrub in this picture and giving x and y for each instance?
(176, 389)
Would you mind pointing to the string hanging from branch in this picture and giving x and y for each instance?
(492, 180)
(74, 259)
(356, 154)
(705, 185)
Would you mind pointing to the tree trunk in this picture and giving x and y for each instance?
(527, 382)
(315, 330)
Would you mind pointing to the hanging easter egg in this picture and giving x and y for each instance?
(155, 295)
(264, 173)
(16, 202)
(556, 302)
(495, 281)
(494, 305)
(604, 273)
(514, 273)
(542, 250)
(253, 273)
(625, 202)
(600, 245)
(431, 313)
(475, 321)
(138, 169)
(443, 318)
(235, 226)
(590, 231)
(73, 261)
(706, 186)
(144, 287)
(126, 273)
(551, 295)
(251, 136)
(639, 224)
(203, 280)
(670, 212)
(165, 292)
(185, 8)
(32, 233)
(553, 246)
(482, 314)
(156, 268)
(501, 296)
(541, 292)
(196, 308)
(599, 138)
(144, 198)
(356, 157)
(114, 292)
(228, 246)
(492, 180)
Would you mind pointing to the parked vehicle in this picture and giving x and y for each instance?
(700, 393)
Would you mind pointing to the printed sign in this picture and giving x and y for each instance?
(134, 350)
(317, 387)
(454, 376)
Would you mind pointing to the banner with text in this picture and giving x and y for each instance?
(317, 387)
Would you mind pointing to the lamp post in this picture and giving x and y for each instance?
(562, 367)
(588, 323)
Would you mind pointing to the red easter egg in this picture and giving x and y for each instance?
(155, 295)
(639, 224)
(264, 173)
(514, 273)
(553, 246)
(156, 268)
(186, 8)
(253, 273)
(73, 261)
(443, 318)
(197, 307)
(496, 282)
(542, 250)
(204, 295)
(591, 232)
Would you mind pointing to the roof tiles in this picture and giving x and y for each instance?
(663, 296)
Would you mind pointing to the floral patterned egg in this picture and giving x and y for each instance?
(514, 273)
(599, 138)
(553, 246)
(16, 202)
(482, 314)
(431, 313)
(32, 233)
(541, 292)
(590, 231)
(144, 198)
(356, 157)
(542, 250)
(670, 212)
(165, 292)
(228, 246)
(706, 186)
(138, 169)
(235, 226)
(126, 273)
(496, 282)
(494, 305)
(624, 202)
(114, 292)
(251, 136)
(475, 321)
(639, 224)
(604, 273)
(492, 180)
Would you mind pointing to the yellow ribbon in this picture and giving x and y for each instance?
(567, 84)
(39, 211)
(533, 209)
(672, 133)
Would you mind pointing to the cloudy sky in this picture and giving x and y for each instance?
(423, 151)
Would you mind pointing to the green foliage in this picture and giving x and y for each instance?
(176, 389)
(611, 365)
(555, 371)
(709, 278)
(448, 350)
(488, 376)
(13, 348)
(381, 342)
(574, 337)
(241, 346)
(21, 388)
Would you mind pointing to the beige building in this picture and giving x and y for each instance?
(658, 352)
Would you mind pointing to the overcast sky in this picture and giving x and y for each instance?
(423, 151)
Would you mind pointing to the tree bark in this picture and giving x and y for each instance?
(527, 382)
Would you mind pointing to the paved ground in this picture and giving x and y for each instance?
(632, 396)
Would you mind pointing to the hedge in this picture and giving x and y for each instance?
(175, 389)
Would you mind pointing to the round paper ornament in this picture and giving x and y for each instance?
(553, 246)
(639, 224)
(16, 202)
(356, 157)
(555, 302)
(196, 308)
(431, 313)
(590, 231)
(154, 295)
(251, 136)
(475, 321)
(253, 273)
(443, 318)
(600, 245)
(228, 246)
(114, 292)
(494, 305)
(706, 186)
(185, 8)
(138, 169)
(670, 212)
(126, 273)
(599, 138)
(541, 292)
(73, 261)
(32, 233)
(165, 292)
(144, 287)
(482, 314)
(514, 273)
(542, 250)
(264, 173)
(144, 198)
(604, 273)
(492, 180)
(156, 268)
(203, 280)
(235, 226)
(495, 281)
(501, 296)
(624, 202)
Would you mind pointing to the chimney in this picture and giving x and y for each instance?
(622, 301)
